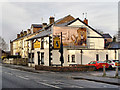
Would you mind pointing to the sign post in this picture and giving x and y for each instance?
(104, 71)
(116, 73)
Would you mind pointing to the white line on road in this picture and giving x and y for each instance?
(8, 73)
(22, 77)
(49, 85)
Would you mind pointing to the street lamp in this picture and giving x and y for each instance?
(81, 55)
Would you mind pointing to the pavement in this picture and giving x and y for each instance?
(95, 76)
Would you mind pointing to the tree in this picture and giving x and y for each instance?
(3, 44)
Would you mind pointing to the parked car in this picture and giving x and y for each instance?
(98, 64)
(112, 63)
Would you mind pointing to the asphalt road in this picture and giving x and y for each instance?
(13, 78)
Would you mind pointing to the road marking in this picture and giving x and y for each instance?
(49, 85)
(8, 73)
(22, 77)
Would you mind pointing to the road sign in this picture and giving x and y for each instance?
(56, 42)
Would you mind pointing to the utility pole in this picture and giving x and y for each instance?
(61, 52)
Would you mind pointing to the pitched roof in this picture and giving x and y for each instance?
(64, 20)
(114, 45)
(107, 36)
(42, 34)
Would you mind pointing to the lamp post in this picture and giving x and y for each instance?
(81, 55)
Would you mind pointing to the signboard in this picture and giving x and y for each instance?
(72, 36)
(37, 44)
(56, 43)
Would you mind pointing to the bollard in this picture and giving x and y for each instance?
(116, 74)
(104, 72)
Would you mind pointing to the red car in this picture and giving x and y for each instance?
(98, 64)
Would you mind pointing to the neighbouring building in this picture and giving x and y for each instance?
(81, 43)
(20, 46)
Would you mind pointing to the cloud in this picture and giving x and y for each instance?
(19, 16)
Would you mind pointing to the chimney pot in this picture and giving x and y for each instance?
(86, 21)
(51, 20)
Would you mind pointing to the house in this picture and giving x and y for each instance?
(20, 46)
(81, 43)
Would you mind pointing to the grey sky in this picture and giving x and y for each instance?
(19, 16)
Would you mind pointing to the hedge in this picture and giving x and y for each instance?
(65, 68)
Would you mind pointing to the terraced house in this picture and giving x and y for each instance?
(20, 46)
(81, 43)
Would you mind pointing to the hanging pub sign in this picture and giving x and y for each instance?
(56, 42)
(37, 44)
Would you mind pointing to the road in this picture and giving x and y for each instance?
(14, 78)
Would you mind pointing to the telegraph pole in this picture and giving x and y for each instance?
(61, 51)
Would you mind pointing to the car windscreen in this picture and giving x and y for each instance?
(92, 63)
(100, 62)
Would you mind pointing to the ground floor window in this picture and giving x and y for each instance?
(106, 56)
(68, 58)
(73, 58)
(32, 57)
(97, 57)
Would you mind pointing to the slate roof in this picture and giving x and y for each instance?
(42, 34)
(107, 36)
(114, 45)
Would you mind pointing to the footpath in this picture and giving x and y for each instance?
(90, 76)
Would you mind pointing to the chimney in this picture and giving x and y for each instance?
(44, 25)
(86, 21)
(51, 20)
(25, 33)
(28, 31)
(18, 35)
(21, 34)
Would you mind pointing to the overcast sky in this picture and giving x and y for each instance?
(18, 16)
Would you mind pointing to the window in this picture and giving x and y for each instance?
(32, 57)
(42, 58)
(97, 57)
(68, 58)
(106, 56)
(42, 43)
(73, 58)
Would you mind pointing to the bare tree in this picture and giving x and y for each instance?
(3, 44)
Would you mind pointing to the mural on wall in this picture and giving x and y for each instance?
(72, 35)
